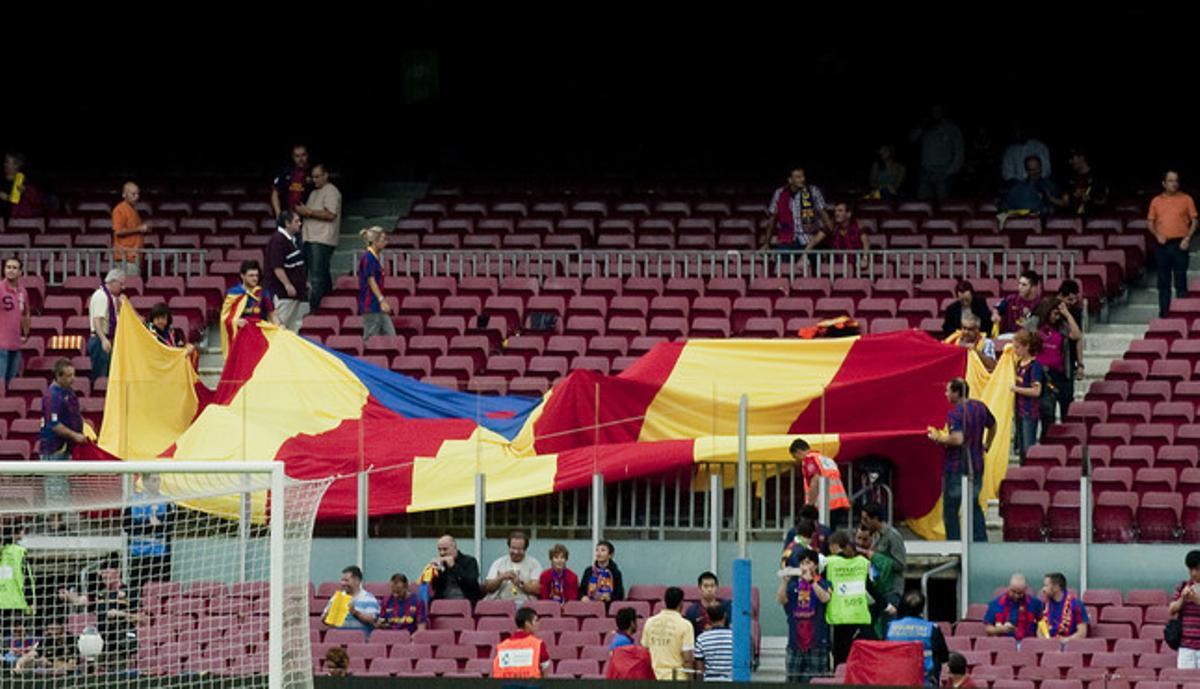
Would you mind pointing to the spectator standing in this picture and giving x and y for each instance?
(103, 307)
(14, 319)
(293, 183)
(364, 606)
(16, 579)
(1023, 147)
(558, 583)
(965, 449)
(913, 627)
(1186, 605)
(128, 231)
(1089, 195)
(697, 613)
(670, 638)
(848, 612)
(1011, 311)
(62, 425)
(1059, 332)
(626, 629)
(967, 302)
(887, 174)
(516, 576)
(807, 534)
(1014, 613)
(804, 598)
(844, 235)
(795, 214)
(959, 679)
(602, 580)
(286, 278)
(18, 198)
(246, 303)
(1035, 195)
(942, 154)
(1064, 615)
(1031, 377)
(882, 575)
(522, 655)
(322, 229)
(714, 648)
(456, 574)
(149, 525)
(1172, 222)
(886, 541)
(1068, 293)
(375, 310)
(402, 609)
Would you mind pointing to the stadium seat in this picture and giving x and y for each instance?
(1150, 391)
(1063, 517)
(1025, 515)
(1113, 517)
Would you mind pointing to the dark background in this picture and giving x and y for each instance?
(729, 93)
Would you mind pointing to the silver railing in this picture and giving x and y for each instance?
(55, 265)
(916, 264)
(673, 505)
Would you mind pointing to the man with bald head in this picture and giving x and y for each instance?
(457, 575)
(1014, 613)
(128, 231)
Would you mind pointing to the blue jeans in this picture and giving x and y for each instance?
(1172, 265)
(952, 503)
(100, 358)
(1027, 434)
(10, 363)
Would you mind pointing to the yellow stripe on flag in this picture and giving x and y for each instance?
(782, 377)
(448, 480)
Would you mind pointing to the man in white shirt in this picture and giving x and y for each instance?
(103, 308)
(1012, 168)
(516, 576)
(322, 229)
(364, 606)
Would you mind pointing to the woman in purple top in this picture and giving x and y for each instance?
(1028, 388)
(1058, 330)
(372, 305)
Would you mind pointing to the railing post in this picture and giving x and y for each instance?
(480, 512)
(966, 523)
(743, 488)
(361, 521)
(1085, 519)
(597, 509)
(716, 496)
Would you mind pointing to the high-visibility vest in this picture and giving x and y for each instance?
(838, 500)
(517, 659)
(849, 602)
(917, 629)
(12, 578)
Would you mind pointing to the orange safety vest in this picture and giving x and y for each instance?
(838, 500)
(518, 659)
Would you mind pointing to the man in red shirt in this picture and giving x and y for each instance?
(292, 183)
(522, 655)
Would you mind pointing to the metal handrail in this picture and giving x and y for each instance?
(925, 581)
(56, 264)
(945, 263)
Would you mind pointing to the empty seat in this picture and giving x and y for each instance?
(1154, 479)
(1113, 517)
(1025, 515)
(1129, 370)
(1170, 369)
(1063, 517)
(1151, 391)
(1108, 391)
(1046, 456)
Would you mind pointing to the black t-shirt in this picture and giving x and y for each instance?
(287, 254)
(1094, 194)
(289, 198)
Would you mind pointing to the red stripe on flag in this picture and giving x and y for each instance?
(569, 418)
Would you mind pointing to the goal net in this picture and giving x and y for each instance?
(180, 574)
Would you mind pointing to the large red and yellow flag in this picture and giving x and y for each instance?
(325, 414)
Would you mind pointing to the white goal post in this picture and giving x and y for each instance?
(189, 573)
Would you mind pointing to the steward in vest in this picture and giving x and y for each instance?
(911, 627)
(814, 464)
(16, 582)
(852, 592)
(522, 655)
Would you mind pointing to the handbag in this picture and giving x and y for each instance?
(1173, 631)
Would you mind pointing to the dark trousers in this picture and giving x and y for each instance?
(952, 503)
(1172, 264)
(844, 636)
(319, 277)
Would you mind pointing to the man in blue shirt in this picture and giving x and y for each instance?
(912, 627)
(148, 522)
(364, 606)
(1034, 195)
(1065, 617)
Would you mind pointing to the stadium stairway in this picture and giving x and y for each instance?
(380, 203)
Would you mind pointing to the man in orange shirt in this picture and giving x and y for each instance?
(128, 229)
(1172, 222)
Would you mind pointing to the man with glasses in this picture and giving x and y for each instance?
(970, 336)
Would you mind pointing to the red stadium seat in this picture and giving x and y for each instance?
(1113, 517)
(1025, 515)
